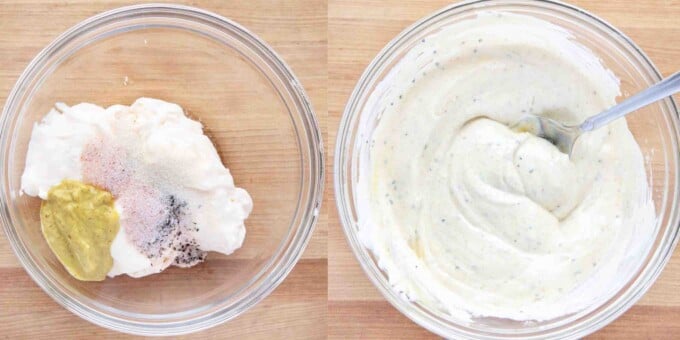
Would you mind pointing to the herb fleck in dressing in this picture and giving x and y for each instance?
(474, 219)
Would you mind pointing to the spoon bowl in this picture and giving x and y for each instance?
(558, 134)
(564, 136)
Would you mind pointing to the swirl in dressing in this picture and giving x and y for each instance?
(471, 218)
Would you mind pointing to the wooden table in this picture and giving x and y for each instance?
(357, 31)
(297, 31)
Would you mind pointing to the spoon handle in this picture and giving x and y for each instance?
(658, 91)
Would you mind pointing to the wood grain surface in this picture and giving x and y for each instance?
(328, 45)
(297, 31)
(357, 31)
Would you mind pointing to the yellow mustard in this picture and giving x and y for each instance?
(79, 222)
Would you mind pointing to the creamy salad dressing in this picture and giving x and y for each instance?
(474, 219)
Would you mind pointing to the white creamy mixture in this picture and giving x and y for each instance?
(471, 218)
(153, 159)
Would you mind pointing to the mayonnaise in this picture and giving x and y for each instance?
(175, 198)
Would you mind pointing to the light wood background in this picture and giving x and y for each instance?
(297, 31)
(357, 31)
(327, 46)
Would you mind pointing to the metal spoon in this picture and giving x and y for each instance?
(564, 136)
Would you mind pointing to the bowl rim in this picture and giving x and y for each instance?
(343, 161)
(279, 265)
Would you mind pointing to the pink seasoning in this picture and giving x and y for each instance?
(104, 166)
(155, 222)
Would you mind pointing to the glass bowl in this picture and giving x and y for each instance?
(252, 107)
(655, 128)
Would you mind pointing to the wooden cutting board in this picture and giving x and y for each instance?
(297, 31)
(357, 31)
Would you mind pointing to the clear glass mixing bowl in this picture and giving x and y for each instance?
(655, 128)
(252, 107)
